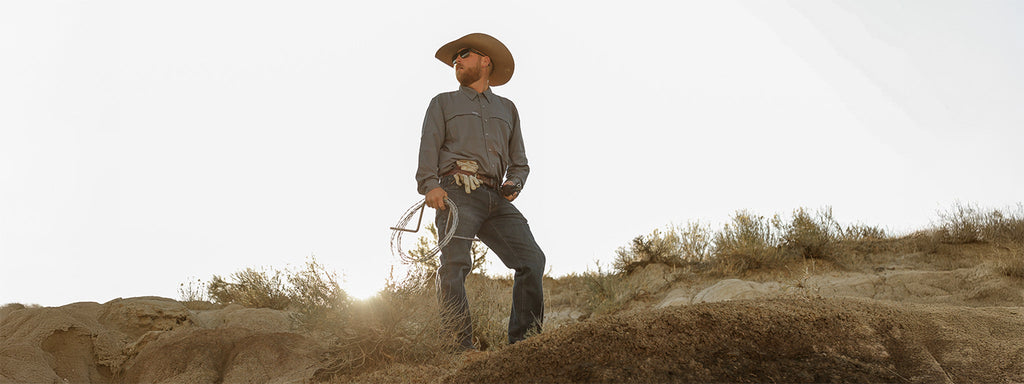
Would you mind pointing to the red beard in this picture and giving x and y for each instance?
(467, 75)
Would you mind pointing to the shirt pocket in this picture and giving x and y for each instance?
(463, 124)
(501, 122)
(461, 117)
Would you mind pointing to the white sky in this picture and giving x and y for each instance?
(143, 143)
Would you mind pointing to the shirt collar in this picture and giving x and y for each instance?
(472, 93)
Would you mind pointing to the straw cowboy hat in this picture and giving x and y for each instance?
(501, 58)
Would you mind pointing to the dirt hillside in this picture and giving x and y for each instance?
(771, 340)
(884, 324)
(151, 340)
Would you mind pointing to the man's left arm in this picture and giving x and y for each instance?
(519, 167)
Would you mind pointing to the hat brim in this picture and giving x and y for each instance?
(500, 56)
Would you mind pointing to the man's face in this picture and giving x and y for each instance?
(468, 67)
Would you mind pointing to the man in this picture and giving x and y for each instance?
(471, 141)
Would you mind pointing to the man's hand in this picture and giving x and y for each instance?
(512, 189)
(435, 198)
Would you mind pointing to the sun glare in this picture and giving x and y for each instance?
(362, 290)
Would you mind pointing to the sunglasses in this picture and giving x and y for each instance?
(464, 52)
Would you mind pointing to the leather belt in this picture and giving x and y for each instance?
(483, 179)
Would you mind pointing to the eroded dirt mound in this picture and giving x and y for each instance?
(795, 339)
(151, 340)
(232, 355)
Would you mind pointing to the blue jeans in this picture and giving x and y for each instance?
(495, 221)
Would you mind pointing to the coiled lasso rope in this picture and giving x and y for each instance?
(398, 229)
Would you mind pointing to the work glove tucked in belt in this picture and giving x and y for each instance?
(467, 178)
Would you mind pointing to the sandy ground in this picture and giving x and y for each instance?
(887, 325)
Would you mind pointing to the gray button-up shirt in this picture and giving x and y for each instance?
(466, 125)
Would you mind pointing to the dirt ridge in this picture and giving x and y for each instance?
(794, 339)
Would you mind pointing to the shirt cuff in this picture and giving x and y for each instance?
(429, 185)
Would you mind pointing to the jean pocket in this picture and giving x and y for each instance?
(448, 182)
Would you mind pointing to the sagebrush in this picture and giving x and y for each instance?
(312, 292)
(747, 242)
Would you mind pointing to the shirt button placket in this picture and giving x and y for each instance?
(486, 119)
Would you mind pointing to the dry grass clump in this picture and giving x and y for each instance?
(192, 293)
(312, 293)
(811, 236)
(315, 294)
(252, 288)
(861, 239)
(606, 292)
(967, 223)
(962, 224)
(752, 242)
(401, 324)
(490, 302)
(747, 243)
(1013, 265)
(582, 294)
(602, 291)
(676, 246)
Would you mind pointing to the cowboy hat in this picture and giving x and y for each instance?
(501, 58)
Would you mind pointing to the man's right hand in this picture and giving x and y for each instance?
(435, 198)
